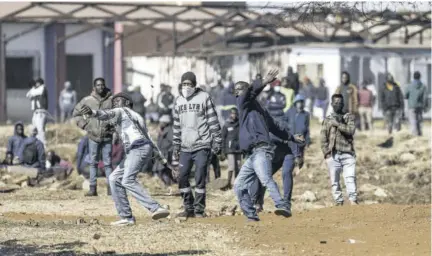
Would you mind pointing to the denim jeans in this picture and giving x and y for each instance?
(415, 118)
(124, 178)
(258, 164)
(342, 162)
(95, 148)
(286, 161)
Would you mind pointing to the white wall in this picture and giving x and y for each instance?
(86, 43)
(328, 57)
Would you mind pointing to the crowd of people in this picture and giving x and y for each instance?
(258, 127)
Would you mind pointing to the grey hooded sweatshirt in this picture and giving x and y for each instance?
(196, 124)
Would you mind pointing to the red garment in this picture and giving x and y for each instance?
(116, 155)
(365, 98)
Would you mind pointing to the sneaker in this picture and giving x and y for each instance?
(354, 202)
(200, 215)
(160, 213)
(185, 215)
(339, 204)
(253, 219)
(124, 222)
(283, 212)
(259, 208)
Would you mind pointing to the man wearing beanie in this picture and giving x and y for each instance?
(196, 133)
(139, 149)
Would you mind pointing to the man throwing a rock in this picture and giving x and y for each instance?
(139, 149)
(337, 145)
(196, 136)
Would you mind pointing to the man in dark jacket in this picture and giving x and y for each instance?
(277, 101)
(417, 96)
(392, 104)
(32, 152)
(293, 80)
(255, 142)
(288, 154)
(230, 145)
(138, 101)
(15, 141)
(228, 101)
(165, 145)
(322, 99)
(39, 104)
(165, 101)
(99, 132)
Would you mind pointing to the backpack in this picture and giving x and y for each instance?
(30, 153)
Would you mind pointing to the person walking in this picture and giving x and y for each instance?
(366, 101)
(337, 145)
(417, 96)
(392, 104)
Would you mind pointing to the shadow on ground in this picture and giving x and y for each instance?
(14, 248)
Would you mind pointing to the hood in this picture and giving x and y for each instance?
(108, 94)
(299, 97)
(15, 126)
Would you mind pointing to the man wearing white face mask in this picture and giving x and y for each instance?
(196, 136)
(277, 101)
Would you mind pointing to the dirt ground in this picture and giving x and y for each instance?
(393, 218)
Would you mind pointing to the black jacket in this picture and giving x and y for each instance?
(230, 137)
(391, 99)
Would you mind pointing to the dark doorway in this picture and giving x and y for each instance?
(79, 71)
(19, 72)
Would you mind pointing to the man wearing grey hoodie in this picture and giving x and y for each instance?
(196, 135)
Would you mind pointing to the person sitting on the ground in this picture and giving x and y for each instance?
(56, 166)
(32, 152)
(8, 159)
(15, 141)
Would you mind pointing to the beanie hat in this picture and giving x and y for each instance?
(189, 76)
(123, 95)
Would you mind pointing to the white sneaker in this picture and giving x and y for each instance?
(160, 213)
(124, 222)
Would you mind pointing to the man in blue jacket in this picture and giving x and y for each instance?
(15, 141)
(255, 127)
(288, 154)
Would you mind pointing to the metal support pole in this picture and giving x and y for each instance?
(3, 87)
(174, 37)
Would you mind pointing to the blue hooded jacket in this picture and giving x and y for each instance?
(255, 122)
(298, 123)
(15, 141)
(40, 151)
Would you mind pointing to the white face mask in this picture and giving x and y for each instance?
(277, 89)
(187, 91)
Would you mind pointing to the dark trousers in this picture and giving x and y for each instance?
(214, 162)
(286, 160)
(201, 159)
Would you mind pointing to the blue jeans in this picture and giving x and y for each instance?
(287, 162)
(124, 178)
(258, 164)
(95, 148)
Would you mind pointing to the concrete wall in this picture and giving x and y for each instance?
(32, 45)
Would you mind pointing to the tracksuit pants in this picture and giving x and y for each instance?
(201, 159)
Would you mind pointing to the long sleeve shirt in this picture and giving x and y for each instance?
(339, 138)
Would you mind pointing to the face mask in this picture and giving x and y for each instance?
(277, 89)
(187, 91)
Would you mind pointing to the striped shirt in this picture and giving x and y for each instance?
(196, 125)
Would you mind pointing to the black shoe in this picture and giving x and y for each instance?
(200, 215)
(283, 212)
(253, 219)
(92, 191)
(185, 215)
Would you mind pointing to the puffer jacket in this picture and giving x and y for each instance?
(97, 130)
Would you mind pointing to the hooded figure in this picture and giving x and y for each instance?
(349, 94)
(32, 152)
(293, 80)
(67, 101)
(298, 123)
(15, 141)
(418, 102)
(392, 103)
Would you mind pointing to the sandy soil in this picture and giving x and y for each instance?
(394, 218)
